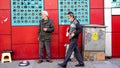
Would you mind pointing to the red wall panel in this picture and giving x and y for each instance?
(96, 3)
(25, 51)
(5, 21)
(115, 44)
(116, 24)
(5, 43)
(61, 50)
(51, 4)
(53, 15)
(115, 36)
(54, 50)
(4, 4)
(54, 46)
(62, 34)
(24, 34)
(97, 16)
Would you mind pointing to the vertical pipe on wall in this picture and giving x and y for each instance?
(107, 20)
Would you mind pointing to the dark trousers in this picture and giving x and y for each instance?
(46, 45)
(73, 47)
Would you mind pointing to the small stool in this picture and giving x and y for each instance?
(6, 56)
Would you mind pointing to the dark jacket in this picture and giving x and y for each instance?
(45, 36)
(75, 28)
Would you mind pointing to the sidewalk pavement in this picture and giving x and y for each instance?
(110, 63)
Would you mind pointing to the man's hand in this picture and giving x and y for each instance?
(68, 29)
(72, 35)
(44, 29)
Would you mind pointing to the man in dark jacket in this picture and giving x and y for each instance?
(73, 33)
(46, 28)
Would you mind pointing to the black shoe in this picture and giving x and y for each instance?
(50, 61)
(79, 65)
(61, 65)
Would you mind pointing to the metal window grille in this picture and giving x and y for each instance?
(26, 12)
(79, 7)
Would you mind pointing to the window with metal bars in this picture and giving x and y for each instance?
(26, 12)
(80, 8)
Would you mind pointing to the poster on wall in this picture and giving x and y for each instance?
(115, 3)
